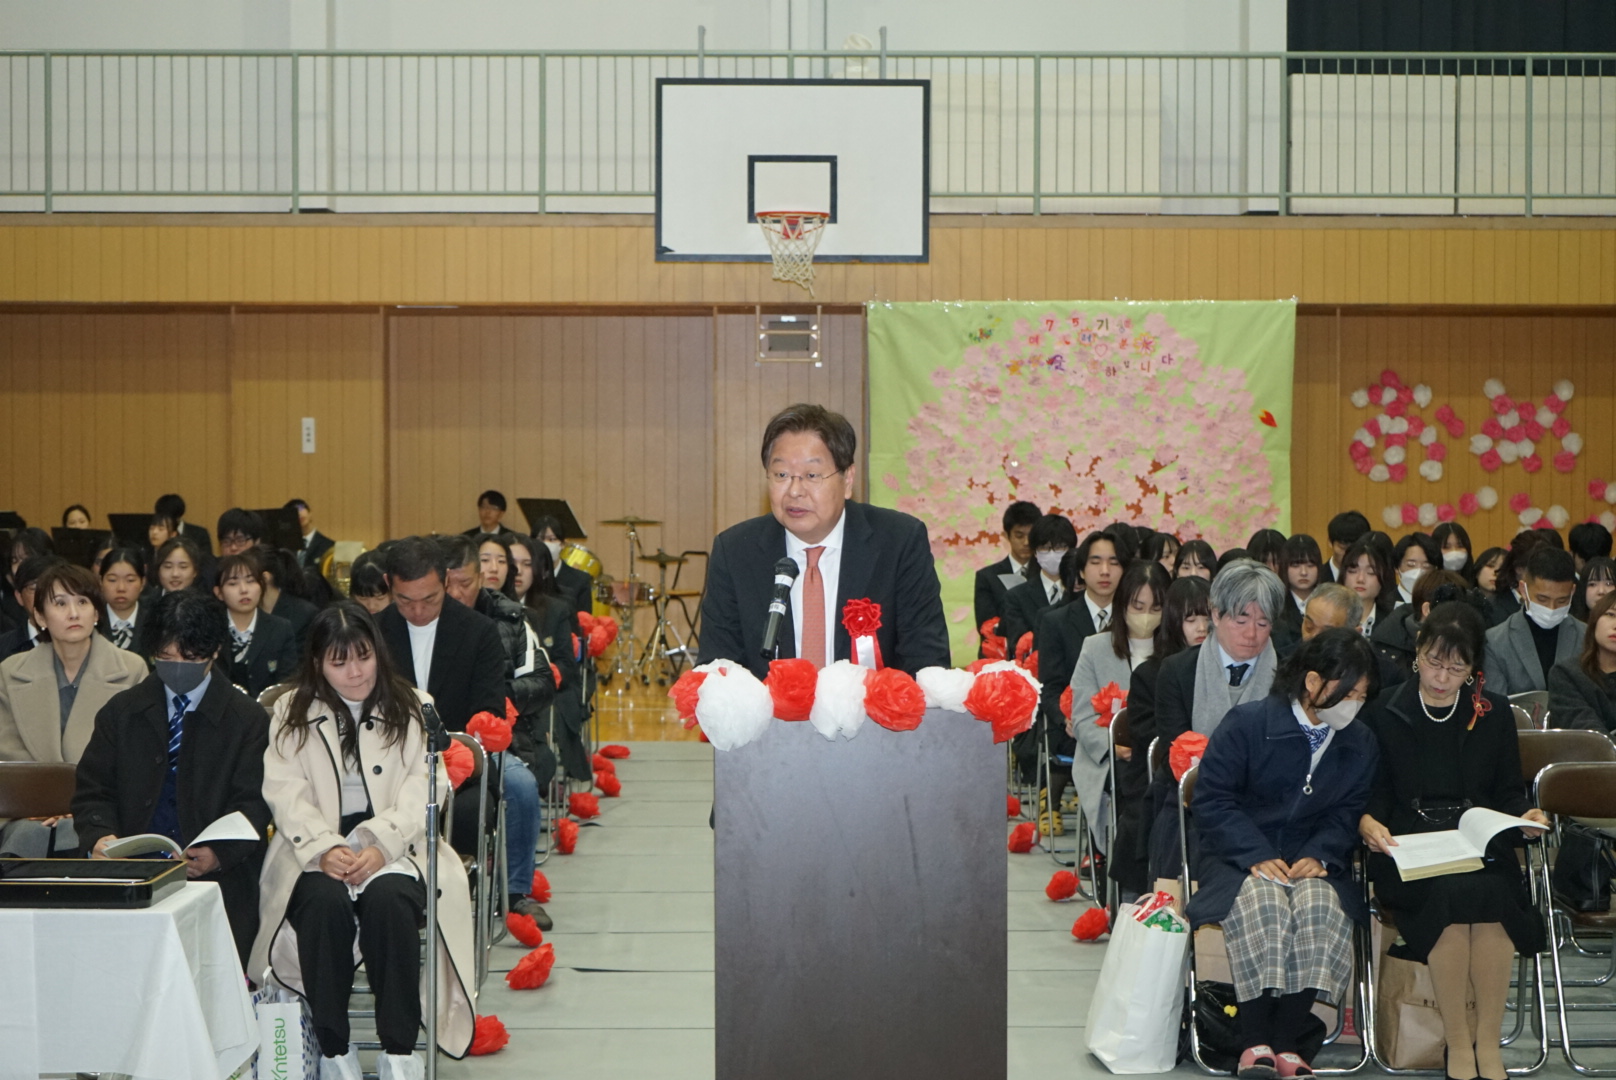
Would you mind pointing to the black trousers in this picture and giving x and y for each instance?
(391, 912)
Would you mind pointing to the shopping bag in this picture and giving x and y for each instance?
(1408, 1027)
(287, 1046)
(1134, 1018)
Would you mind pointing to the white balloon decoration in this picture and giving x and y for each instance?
(1572, 442)
(1525, 449)
(1509, 419)
(1428, 514)
(1558, 517)
(1394, 455)
(1492, 388)
(1508, 453)
(1480, 444)
(1422, 396)
(1545, 416)
(1531, 516)
(1608, 520)
(1388, 395)
(1392, 516)
(1363, 436)
(1610, 493)
(1563, 389)
(1360, 398)
(1431, 470)
(1486, 497)
(1379, 474)
(1428, 436)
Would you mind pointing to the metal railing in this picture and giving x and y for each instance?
(1036, 133)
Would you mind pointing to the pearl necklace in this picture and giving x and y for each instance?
(1432, 716)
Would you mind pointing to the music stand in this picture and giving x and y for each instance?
(534, 509)
(132, 530)
(281, 529)
(78, 545)
(11, 523)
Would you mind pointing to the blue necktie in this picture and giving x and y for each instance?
(176, 729)
(1316, 736)
(1237, 672)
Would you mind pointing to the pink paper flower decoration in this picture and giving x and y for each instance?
(1492, 429)
(1491, 462)
(1372, 425)
(1502, 404)
(1405, 394)
(1468, 503)
(1534, 430)
(1362, 463)
(1565, 461)
(1399, 473)
(1436, 452)
(1358, 451)
(1415, 426)
(1456, 428)
(1543, 523)
(1446, 512)
(1519, 501)
(1411, 514)
(1532, 463)
(1389, 378)
(1554, 403)
(1596, 490)
(1515, 433)
(1444, 413)
(1561, 428)
(1397, 408)
(1399, 439)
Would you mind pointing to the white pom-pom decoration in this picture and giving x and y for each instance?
(1608, 520)
(1432, 471)
(1525, 448)
(1480, 444)
(1572, 443)
(1363, 436)
(1531, 516)
(1558, 516)
(1379, 474)
(1492, 388)
(1545, 416)
(1509, 419)
(733, 706)
(1360, 398)
(1400, 426)
(838, 700)
(1428, 514)
(1394, 455)
(1388, 394)
(1486, 497)
(1563, 389)
(1428, 436)
(1508, 453)
(1422, 396)
(945, 688)
(1610, 492)
(1392, 516)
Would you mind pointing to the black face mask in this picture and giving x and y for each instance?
(182, 676)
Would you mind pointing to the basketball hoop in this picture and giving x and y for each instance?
(793, 237)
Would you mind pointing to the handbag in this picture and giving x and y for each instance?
(1138, 1003)
(1582, 868)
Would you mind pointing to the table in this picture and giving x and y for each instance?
(157, 993)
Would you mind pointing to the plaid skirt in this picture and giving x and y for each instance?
(1288, 940)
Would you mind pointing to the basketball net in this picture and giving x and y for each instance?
(793, 238)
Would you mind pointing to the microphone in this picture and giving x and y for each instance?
(437, 737)
(785, 572)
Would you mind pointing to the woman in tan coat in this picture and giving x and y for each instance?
(49, 695)
(349, 801)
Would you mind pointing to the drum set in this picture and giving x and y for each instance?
(664, 654)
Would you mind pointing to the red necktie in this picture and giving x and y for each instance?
(813, 611)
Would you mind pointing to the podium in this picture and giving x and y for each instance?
(860, 903)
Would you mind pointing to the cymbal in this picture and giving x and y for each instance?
(662, 558)
(631, 519)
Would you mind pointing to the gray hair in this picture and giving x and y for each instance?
(1245, 582)
(1343, 600)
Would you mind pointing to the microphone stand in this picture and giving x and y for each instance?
(437, 741)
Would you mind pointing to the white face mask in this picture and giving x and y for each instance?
(1049, 562)
(555, 552)
(1454, 560)
(1410, 578)
(1340, 714)
(1547, 618)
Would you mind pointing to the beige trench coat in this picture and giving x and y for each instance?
(30, 710)
(304, 791)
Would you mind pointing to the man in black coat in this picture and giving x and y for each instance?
(466, 664)
(176, 753)
(844, 550)
(315, 542)
(991, 587)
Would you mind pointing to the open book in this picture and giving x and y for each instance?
(1452, 851)
(233, 826)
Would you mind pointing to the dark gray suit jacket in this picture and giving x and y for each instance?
(1512, 665)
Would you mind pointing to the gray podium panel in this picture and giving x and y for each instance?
(860, 904)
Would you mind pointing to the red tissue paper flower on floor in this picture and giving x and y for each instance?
(791, 684)
(602, 764)
(492, 731)
(1021, 837)
(893, 699)
(1062, 885)
(584, 805)
(684, 692)
(993, 646)
(524, 929)
(490, 1037)
(1005, 700)
(1012, 806)
(1091, 924)
(566, 835)
(610, 786)
(541, 887)
(1186, 751)
(533, 970)
(1107, 702)
(458, 761)
(1066, 701)
(613, 750)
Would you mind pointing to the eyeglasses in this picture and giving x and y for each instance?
(1458, 671)
(810, 480)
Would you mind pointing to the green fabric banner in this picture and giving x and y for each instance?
(1171, 415)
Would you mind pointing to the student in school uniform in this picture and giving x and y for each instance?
(262, 650)
(123, 581)
(1050, 539)
(1018, 520)
(172, 507)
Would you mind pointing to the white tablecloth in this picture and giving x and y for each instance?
(157, 993)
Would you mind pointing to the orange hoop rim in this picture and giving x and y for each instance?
(761, 214)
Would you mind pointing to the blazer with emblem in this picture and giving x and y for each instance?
(314, 548)
(469, 662)
(221, 769)
(30, 709)
(1511, 662)
(990, 593)
(886, 558)
(270, 659)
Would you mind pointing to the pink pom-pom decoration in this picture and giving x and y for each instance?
(1561, 428)
(1515, 433)
(1388, 377)
(1456, 428)
(1399, 439)
(1533, 430)
(1532, 463)
(1399, 473)
(1469, 504)
(1446, 512)
(1543, 523)
(1436, 452)
(1415, 426)
(1565, 461)
(1357, 450)
(1491, 462)
(1397, 408)
(1411, 514)
(1444, 413)
(1363, 464)
(1405, 394)
(1519, 502)
(1596, 490)
(1492, 428)
(1554, 404)
(1502, 404)
(1372, 425)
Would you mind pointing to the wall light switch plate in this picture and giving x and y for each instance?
(308, 434)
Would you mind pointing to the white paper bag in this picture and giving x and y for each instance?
(1139, 998)
(283, 1040)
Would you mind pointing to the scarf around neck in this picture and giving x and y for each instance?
(1214, 697)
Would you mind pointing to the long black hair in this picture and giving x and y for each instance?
(1340, 655)
(338, 632)
(1186, 597)
(1599, 568)
(1140, 573)
(507, 584)
(1200, 553)
(1367, 548)
(542, 592)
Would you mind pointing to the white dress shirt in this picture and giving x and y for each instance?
(422, 638)
(830, 571)
(114, 624)
(1097, 613)
(1052, 587)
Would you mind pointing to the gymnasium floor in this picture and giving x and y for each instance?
(632, 990)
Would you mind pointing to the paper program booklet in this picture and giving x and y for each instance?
(1452, 851)
(233, 826)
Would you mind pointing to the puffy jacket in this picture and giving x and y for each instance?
(533, 686)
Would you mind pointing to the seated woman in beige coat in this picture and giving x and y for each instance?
(49, 696)
(345, 776)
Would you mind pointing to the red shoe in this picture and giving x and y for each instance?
(1257, 1063)
(1290, 1065)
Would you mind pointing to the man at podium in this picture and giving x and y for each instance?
(841, 550)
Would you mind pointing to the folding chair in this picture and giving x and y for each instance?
(1150, 759)
(1579, 790)
(1360, 992)
(1119, 735)
(1048, 762)
(30, 789)
(1523, 718)
(1539, 750)
(1535, 702)
(486, 893)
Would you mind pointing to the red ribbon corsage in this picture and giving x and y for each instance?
(1107, 703)
(861, 619)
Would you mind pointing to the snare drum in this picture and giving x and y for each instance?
(581, 558)
(623, 594)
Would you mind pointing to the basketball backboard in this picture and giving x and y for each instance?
(858, 150)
